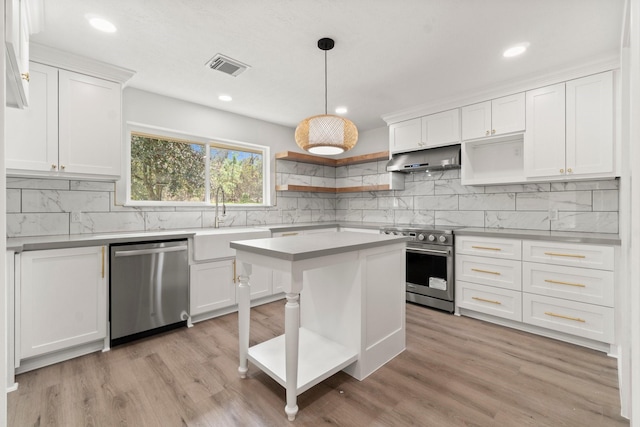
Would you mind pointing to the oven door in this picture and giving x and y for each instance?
(430, 271)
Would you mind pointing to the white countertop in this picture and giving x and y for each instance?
(296, 248)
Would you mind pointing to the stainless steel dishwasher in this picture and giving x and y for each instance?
(149, 288)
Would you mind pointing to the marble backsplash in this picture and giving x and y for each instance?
(43, 206)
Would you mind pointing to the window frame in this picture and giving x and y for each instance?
(133, 128)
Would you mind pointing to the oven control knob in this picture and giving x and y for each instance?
(397, 233)
(442, 239)
(432, 237)
(420, 236)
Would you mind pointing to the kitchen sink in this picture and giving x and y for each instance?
(214, 243)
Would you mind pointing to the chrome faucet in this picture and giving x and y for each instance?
(218, 220)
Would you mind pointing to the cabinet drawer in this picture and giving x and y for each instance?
(491, 247)
(572, 283)
(576, 255)
(586, 320)
(502, 273)
(487, 299)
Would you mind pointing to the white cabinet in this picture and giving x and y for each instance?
(434, 130)
(492, 118)
(570, 129)
(71, 128)
(17, 52)
(211, 286)
(62, 299)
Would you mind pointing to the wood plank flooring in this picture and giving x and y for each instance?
(455, 371)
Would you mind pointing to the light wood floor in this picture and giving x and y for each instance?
(455, 371)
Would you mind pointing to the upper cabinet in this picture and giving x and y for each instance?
(493, 118)
(434, 130)
(570, 129)
(71, 128)
(17, 53)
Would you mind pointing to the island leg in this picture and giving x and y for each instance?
(291, 335)
(243, 316)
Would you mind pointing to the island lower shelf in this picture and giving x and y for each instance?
(318, 358)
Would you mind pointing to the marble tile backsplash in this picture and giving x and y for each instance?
(38, 207)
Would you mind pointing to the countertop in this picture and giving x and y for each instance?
(19, 244)
(297, 248)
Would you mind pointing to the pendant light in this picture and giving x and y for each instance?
(326, 134)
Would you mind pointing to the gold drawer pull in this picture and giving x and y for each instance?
(486, 247)
(289, 234)
(577, 319)
(558, 282)
(234, 271)
(487, 300)
(567, 255)
(497, 273)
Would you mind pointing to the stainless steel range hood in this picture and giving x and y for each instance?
(432, 159)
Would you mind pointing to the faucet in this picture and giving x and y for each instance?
(218, 220)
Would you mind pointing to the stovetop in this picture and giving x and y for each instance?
(435, 235)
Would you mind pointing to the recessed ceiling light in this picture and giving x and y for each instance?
(225, 98)
(341, 110)
(100, 23)
(516, 50)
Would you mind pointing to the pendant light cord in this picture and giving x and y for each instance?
(325, 82)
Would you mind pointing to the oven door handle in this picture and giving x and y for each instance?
(429, 251)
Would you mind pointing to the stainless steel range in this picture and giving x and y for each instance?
(430, 269)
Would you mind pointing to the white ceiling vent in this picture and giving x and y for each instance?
(226, 65)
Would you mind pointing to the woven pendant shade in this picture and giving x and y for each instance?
(326, 134)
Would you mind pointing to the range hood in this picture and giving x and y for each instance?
(432, 159)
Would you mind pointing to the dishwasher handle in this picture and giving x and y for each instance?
(137, 252)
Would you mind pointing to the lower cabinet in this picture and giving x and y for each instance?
(557, 289)
(61, 300)
(212, 286)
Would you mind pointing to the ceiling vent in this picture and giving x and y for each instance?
(226, 65)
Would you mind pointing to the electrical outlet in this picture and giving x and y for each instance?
(76, 216)
(553, 214)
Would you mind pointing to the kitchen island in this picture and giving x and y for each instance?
(345, 307)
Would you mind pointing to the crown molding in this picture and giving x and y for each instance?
(80, 64)
(595, 66)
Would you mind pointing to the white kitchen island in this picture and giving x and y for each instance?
(345, 307)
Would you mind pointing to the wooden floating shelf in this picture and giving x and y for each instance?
(326, 161)
(312, 189)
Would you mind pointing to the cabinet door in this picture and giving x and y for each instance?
(17, 45)
(507, 114)
(590, 125)
(211, 286)
(476, 120)
(32, 133)
(405, 136)
(441, 128)
(63, 299)
(544, 140)
(89, 125)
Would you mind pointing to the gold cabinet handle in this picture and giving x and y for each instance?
(289, 234)
(486, 271)
(562, 316)
(486, 248)
(561, 170)
(62, 167)
(570, 170)
(493, 131)
(103, 262)
(25, 76)
(565, 255)
(487, 134)
(234, 271)
(558, 282)
(54, 166)
(487, 300)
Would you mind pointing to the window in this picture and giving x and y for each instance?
(170, 169)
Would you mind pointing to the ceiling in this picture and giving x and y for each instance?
(389, 55)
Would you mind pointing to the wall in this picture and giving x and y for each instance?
(43, 206)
